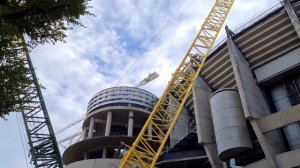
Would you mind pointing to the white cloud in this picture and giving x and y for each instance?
(94, 58)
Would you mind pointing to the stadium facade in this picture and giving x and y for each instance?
(244, 109)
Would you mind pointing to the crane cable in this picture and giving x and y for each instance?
(21, 137)
(152, 40)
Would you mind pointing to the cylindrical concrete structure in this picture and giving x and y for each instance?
(114, 115)
(230, 126)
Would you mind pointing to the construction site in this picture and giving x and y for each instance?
(231, 104)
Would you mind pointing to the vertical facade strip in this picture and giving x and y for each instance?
(292, 15)
(91, 128)
(108, 123)
(205, 132)
(253, 102)
(130, 123)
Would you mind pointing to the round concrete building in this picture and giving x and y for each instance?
(114, 115)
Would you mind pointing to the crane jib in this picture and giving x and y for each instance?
(146, 148)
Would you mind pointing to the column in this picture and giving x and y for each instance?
(108, 123)
(91, 128)
(292, 15)
(84, 133)
(130, 123)
(205, 131)
(253, 101)
(104, 152)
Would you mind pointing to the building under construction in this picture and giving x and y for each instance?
(114, 115)
(244, 109)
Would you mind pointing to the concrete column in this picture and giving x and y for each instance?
(253, 102)
(203, 117)
(104, 152)
(266, 147)
(84, 133)
(91, 128)
(130, 123)
(205, 131)
(180, 128)
(108, 123)
(292, 15)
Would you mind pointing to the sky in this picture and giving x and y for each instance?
(129, 38)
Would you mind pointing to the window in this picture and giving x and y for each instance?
(292, 90)
(99, 129)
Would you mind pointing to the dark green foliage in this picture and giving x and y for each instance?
(42, 21)
(14, 84)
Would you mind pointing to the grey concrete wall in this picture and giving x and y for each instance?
(289, 159)
(260, 164)
(201, 100)
(280, 119)
(253, 101)
(284, 160)
(95, 163)
(180, 128)
(204, 124)
(229, 123)
(278, 66)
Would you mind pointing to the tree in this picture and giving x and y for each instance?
(41, 21)
(14, 83)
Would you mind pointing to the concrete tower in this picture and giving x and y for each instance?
(114, 115)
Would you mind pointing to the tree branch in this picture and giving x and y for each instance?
(33, 11)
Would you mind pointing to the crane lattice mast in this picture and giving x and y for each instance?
(41, 138)
(146, 148)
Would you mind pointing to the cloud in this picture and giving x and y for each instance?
(155, 33)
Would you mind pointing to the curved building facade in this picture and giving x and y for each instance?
(114, 115)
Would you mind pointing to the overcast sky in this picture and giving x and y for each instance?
(152, 34)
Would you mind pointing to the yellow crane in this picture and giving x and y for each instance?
(147, 147)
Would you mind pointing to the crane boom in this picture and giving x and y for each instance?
(146, 148)
(148, 79)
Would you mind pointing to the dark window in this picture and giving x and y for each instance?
(292, 90)
(99, 129)
(118, 130)
(94, 154)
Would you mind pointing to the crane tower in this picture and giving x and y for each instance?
(41, 138)
(146, 148)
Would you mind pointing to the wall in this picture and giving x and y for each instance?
(92, 163)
